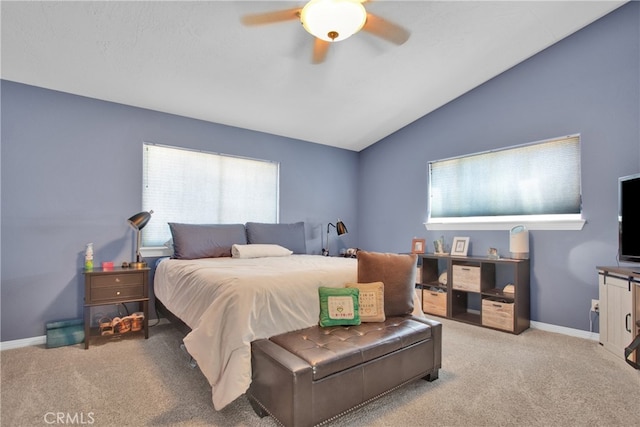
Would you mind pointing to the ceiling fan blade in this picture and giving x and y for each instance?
(320, 48)
(272, 17)
(386, 29)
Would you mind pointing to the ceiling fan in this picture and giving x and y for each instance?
(330, 21)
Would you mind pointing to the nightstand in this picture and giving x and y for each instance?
(115, 286)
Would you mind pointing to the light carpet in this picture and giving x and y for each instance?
(488, 378)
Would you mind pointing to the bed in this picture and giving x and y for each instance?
(228, 302)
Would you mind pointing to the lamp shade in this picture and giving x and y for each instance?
(341, 228)
(333, 20)
(139, 220)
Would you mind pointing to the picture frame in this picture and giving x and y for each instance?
(418, 246)
(438, 246)
(460, 246)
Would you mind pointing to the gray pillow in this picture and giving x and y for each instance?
(192, 241)
(291, 236)
(397, 272)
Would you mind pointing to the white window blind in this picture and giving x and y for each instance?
(532, 182)
(197, 187)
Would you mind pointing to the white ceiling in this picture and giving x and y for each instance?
(196, 59)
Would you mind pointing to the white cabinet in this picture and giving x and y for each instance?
(618, 311)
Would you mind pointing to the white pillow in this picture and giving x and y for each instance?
(258, 250)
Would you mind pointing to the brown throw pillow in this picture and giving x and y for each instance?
(397, 272)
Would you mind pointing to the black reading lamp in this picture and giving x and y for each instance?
(340, 229)
(138, 222)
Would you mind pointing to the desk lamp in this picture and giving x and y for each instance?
(340, 229)
(138, 222)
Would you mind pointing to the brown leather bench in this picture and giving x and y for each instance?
(314, 375)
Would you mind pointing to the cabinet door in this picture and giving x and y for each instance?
(615, 313)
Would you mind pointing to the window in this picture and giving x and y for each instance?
(535, 184)
(197, 187)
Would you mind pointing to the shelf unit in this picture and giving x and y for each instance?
(471, 290)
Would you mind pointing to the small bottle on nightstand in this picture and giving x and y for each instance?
(88, 257)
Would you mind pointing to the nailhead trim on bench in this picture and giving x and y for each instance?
(343, 413)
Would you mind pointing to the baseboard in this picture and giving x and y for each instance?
(42, 340)
(565, 331)
(25, 342)
(8, 345)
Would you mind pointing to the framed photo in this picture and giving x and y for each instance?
(417, 246)
(460, 246)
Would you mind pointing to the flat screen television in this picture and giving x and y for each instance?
(629, 218)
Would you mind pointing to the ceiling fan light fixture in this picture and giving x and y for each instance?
(333, 20)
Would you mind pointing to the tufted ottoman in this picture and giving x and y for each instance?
(311, 376)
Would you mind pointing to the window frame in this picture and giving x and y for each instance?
(163, 250)
(506, 222)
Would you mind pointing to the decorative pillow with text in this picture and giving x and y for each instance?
(370, 300)
(339, 306)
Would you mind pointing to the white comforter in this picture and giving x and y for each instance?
(229, 302)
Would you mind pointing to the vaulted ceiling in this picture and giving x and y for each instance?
(197, 59)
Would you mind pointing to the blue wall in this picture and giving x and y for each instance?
(588, 83)
(72, 174)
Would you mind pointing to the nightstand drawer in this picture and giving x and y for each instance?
(115, 292)
(117, 280)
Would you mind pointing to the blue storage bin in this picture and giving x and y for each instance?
(65, 332)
